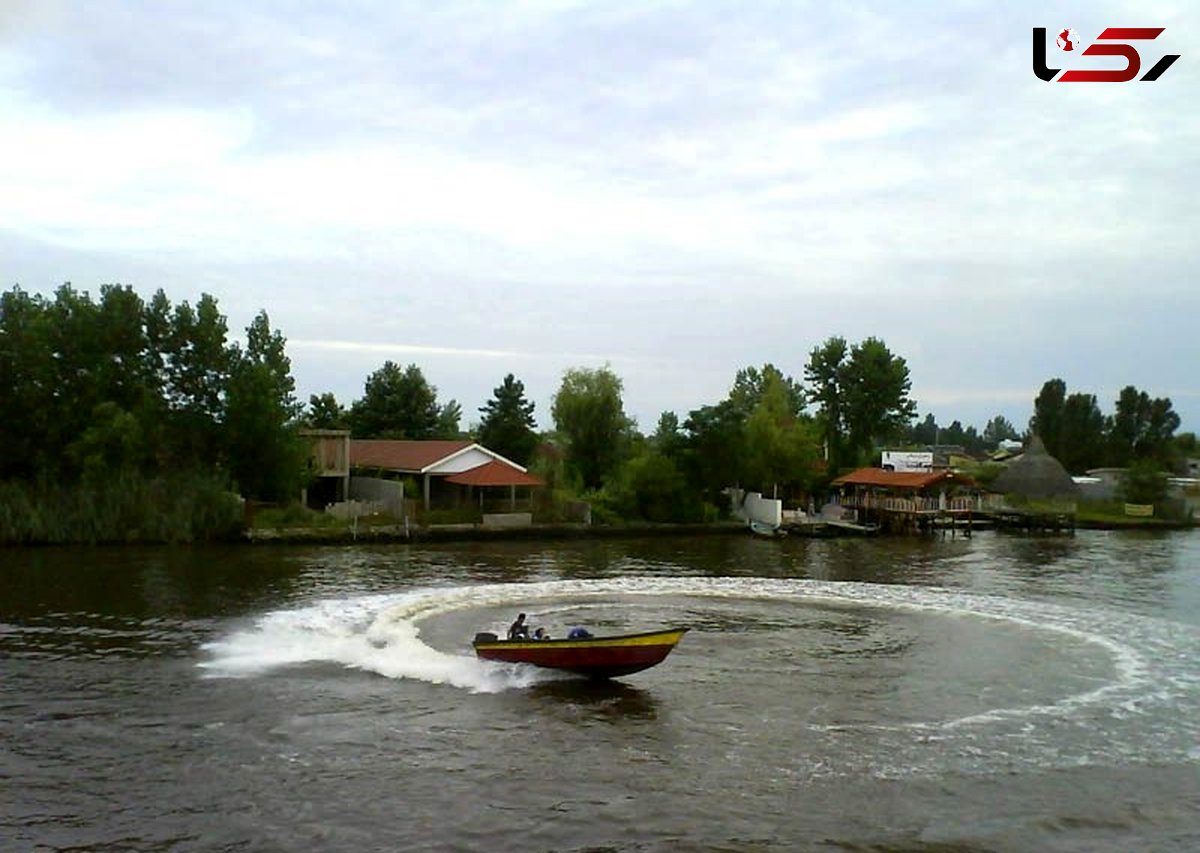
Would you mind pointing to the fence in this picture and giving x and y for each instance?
(387, 494)
(921, 503)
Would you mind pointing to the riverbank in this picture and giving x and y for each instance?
(552, 532)
(475, 532)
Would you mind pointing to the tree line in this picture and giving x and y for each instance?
(121, 412)
(114, 401)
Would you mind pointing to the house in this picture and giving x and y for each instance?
(449, 471)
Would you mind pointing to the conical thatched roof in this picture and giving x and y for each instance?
(1036, 474)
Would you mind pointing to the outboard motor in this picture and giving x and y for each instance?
(486, 637)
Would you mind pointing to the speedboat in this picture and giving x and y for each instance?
(594, 657)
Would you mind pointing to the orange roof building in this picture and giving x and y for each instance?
(918, 481)
(461, 463)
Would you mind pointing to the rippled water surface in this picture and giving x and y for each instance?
(992, 693)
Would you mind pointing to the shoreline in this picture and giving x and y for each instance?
(476, 533)
(557, 532)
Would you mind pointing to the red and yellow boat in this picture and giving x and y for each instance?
(595, 657)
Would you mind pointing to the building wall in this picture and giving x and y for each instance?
(752, 506)
(465, 461)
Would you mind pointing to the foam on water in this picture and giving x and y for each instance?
(1152, 659)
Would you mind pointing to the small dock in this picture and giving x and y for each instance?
(828, 528)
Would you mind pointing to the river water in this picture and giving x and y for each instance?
(983, 694)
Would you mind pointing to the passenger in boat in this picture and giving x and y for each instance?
(578, 634)
(540, 634)
(518, 630)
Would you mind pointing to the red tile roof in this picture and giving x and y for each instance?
(495, 473)
(409, 456)
(898, 479)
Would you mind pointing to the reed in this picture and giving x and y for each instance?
(185, 507)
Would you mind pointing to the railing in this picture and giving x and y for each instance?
(921, 503)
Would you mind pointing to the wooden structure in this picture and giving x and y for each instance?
(330, 463)
(909, 501)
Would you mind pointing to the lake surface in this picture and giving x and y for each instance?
(984, 694)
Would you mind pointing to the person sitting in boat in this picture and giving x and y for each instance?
(578, 634)
(518, 630)
(540, 634)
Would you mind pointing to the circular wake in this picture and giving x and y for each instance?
(1145, 701)
(381, 632)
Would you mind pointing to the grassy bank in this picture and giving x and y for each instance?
(1110, 515)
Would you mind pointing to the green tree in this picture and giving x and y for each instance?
(508, 424)
(999, 429)
(1047, 419)
(668, 438)
(1143, 483)
(875, 385)
(28, 386)
(198, 359)
(325, 412)
(1141, 428)
(649, 486)
(111, 446)
(862, 395)
(396, 404)
(750, 384)
(588, 411)
(266, 458)
(826, 375)
(447, 421)
(714, 450)
(781, 450)
(927, 432)
(1082, 433)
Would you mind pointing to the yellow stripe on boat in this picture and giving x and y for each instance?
(658, 638)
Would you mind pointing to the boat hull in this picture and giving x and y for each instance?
(594, 657)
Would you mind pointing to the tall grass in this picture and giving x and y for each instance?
(184, 507)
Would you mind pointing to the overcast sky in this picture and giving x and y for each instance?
(676, 189)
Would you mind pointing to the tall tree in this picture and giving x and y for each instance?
(265, 456)
(875, 387)
(1047, 418)
(715, 448)
(198, 361)
(781, 449)
(667, 438)
(589, 412)
(825, 373)
(1141, 427)
(1081, 436)
(508, 426)
(396, 404)
(750, 384)
(28, 386)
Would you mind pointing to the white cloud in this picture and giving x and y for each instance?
(687, 187)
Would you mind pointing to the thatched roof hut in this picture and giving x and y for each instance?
(1036, 474)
